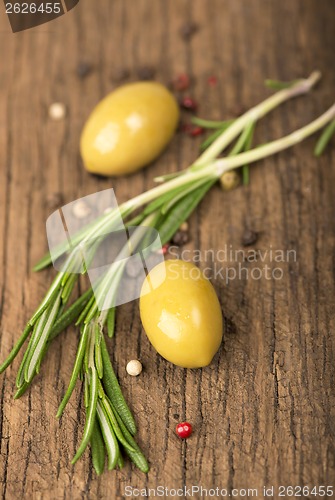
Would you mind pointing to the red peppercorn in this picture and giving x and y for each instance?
(212, 81)
(189, 129)
(181, 82)
(165, 248)
(184, 430)
(189, 103)
(196, 131)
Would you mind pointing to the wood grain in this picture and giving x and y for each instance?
(263, 412)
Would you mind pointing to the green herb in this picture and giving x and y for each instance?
(324, 139)
(279, 85)
(247, 147)
(115, 425)
(16, 348)
(210, 124)
(136, 456)
(71, 314)
(212, 138)
(243, 144)
(111, 322)
(111, 443)
(97, 352)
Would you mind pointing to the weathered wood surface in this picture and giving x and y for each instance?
(263, 412)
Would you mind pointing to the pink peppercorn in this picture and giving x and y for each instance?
(184, 430)
(189, 103)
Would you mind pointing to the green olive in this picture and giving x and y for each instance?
(129, 128)
(181, 314)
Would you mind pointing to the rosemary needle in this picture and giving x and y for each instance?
(42, 339)
(98, 449)
(136, 456)
(113, 390)
(211, 124)
(97, 352)
(115, 425)
(279, 85)
(110, 440)
(71, 314)
(16, 349)
(111, 322)
(325, 137)
(76, 370)
(91, 415)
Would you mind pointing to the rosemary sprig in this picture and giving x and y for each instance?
(110, 425)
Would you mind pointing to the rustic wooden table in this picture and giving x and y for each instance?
(263, 412)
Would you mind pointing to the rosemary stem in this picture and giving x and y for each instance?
(211, 124)
(216, 168)
(212, 170)
(225, 164)
(300, 87)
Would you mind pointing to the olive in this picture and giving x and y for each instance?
(129, 128)
(181, 314)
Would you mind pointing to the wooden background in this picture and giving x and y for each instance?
(263, 412)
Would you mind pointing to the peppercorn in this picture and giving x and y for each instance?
(181, 82)
(229, 180)
(184, 430)
(196, 131)
(186, 127)
(180, 238)
(84, 69)
(188, 103)
(57, 111)
(249, 238)
(81, 209)
(164, 250)
(133, 269)
(55, 200)
(187, 30)
(146, 72)
(120, 75)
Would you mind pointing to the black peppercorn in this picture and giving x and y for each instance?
(249, 238)
(180, 238)
(145, 72)
(188, 30)
(55, 200)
